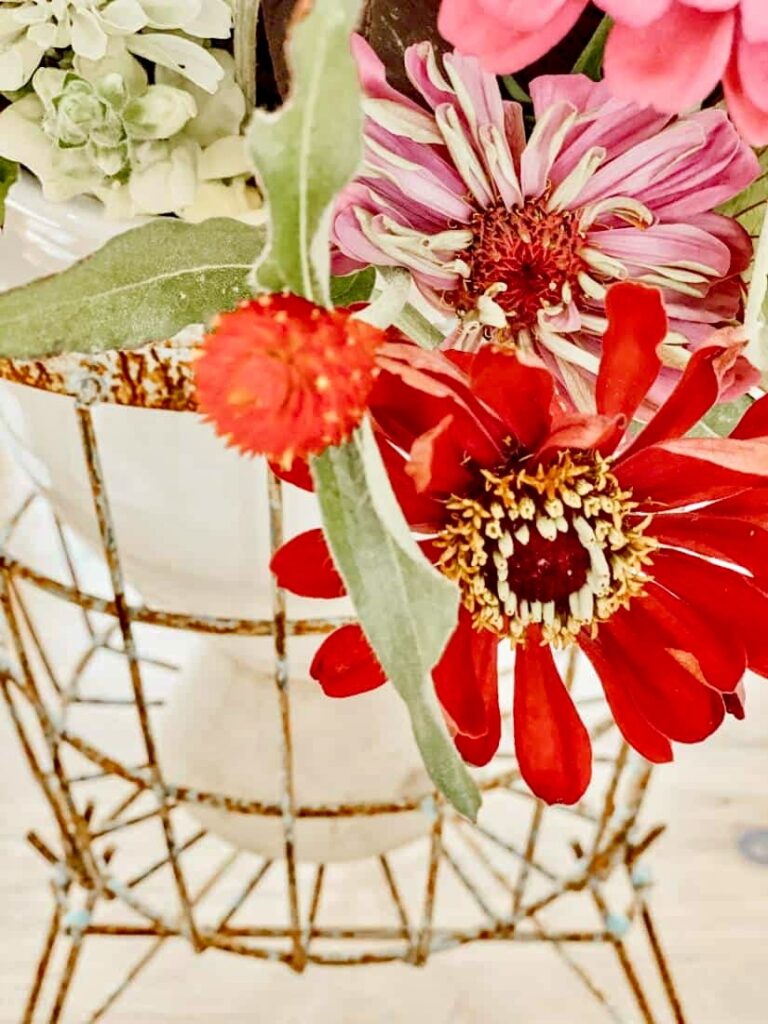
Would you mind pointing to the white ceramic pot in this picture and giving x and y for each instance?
(221, 733)
(191, 516)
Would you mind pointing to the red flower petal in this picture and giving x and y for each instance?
(630, 363)
(695, 394)
(404, 411)
(635, 729)
(435, 465)
(345, 664)
(736, 703)
(587, 433)
(467, 686)
(282, 377)
(750, 506)
(721, 657)
(754, 422)
(725, 597)
(553, 747)
(693, 470)
(305, 566)
(729, 540)
(298, 475)
(674, 701)
(423, 512)
(521, 393)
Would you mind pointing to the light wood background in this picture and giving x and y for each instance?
(711, 903)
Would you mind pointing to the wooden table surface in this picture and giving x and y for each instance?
(711, 903)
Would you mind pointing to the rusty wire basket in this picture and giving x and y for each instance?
(127, 859)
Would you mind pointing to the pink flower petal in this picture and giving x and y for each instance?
(754, 20)
(373, 75)
(502, 49)
(521, 15)
(635, 13)
(672, 63)
(751, 121)
(664, 245)
(753, 72)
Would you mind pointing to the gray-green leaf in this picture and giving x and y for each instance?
(406, 609)
(145, 285)
(9, 172)
(353, 288)
(304, 153)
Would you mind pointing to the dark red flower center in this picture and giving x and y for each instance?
(547, 545)
(533, 252)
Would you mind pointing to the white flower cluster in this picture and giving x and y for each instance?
(87, 119)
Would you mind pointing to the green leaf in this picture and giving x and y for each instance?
(590, 63)
(354, 288)
(9, 172)
(416, 327)
(406, 608)
(749, 206)
(515, 90)
(723, 418)
(304, 153)
(390, 300)
(145, 285)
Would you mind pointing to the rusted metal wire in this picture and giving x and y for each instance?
(514, 884)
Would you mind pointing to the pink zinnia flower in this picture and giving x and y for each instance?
(672, 54)
(522, 239)
(508, 34)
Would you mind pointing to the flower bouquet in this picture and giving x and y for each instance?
(508, 330)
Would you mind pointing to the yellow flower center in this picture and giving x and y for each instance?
(549, 546)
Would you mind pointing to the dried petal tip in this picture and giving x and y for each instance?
(284, 378)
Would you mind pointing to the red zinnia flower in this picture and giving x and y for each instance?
(649, 553)
(284, 378)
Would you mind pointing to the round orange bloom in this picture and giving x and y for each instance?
(284, 378)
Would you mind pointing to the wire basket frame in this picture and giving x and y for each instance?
(126, 858)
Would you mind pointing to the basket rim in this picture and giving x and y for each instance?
(159, 375)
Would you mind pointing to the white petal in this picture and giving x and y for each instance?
(18, 64)
(88, 37)
(22, 139)
(170, 13)
(160, 113)
(166, 185)
(214, 21)
(227, 158)
(124, 17)
(186, 57)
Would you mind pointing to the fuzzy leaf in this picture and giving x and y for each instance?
(305, 152)
(9, 172)
(406, 608)
(145, 285)
(353, 288)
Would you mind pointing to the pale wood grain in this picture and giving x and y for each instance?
(712, 907)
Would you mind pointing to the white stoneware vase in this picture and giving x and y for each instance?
(222, 733)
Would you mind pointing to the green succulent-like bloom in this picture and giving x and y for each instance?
(101, 128)
(97, 124)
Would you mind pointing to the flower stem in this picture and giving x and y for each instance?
(246, 17)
